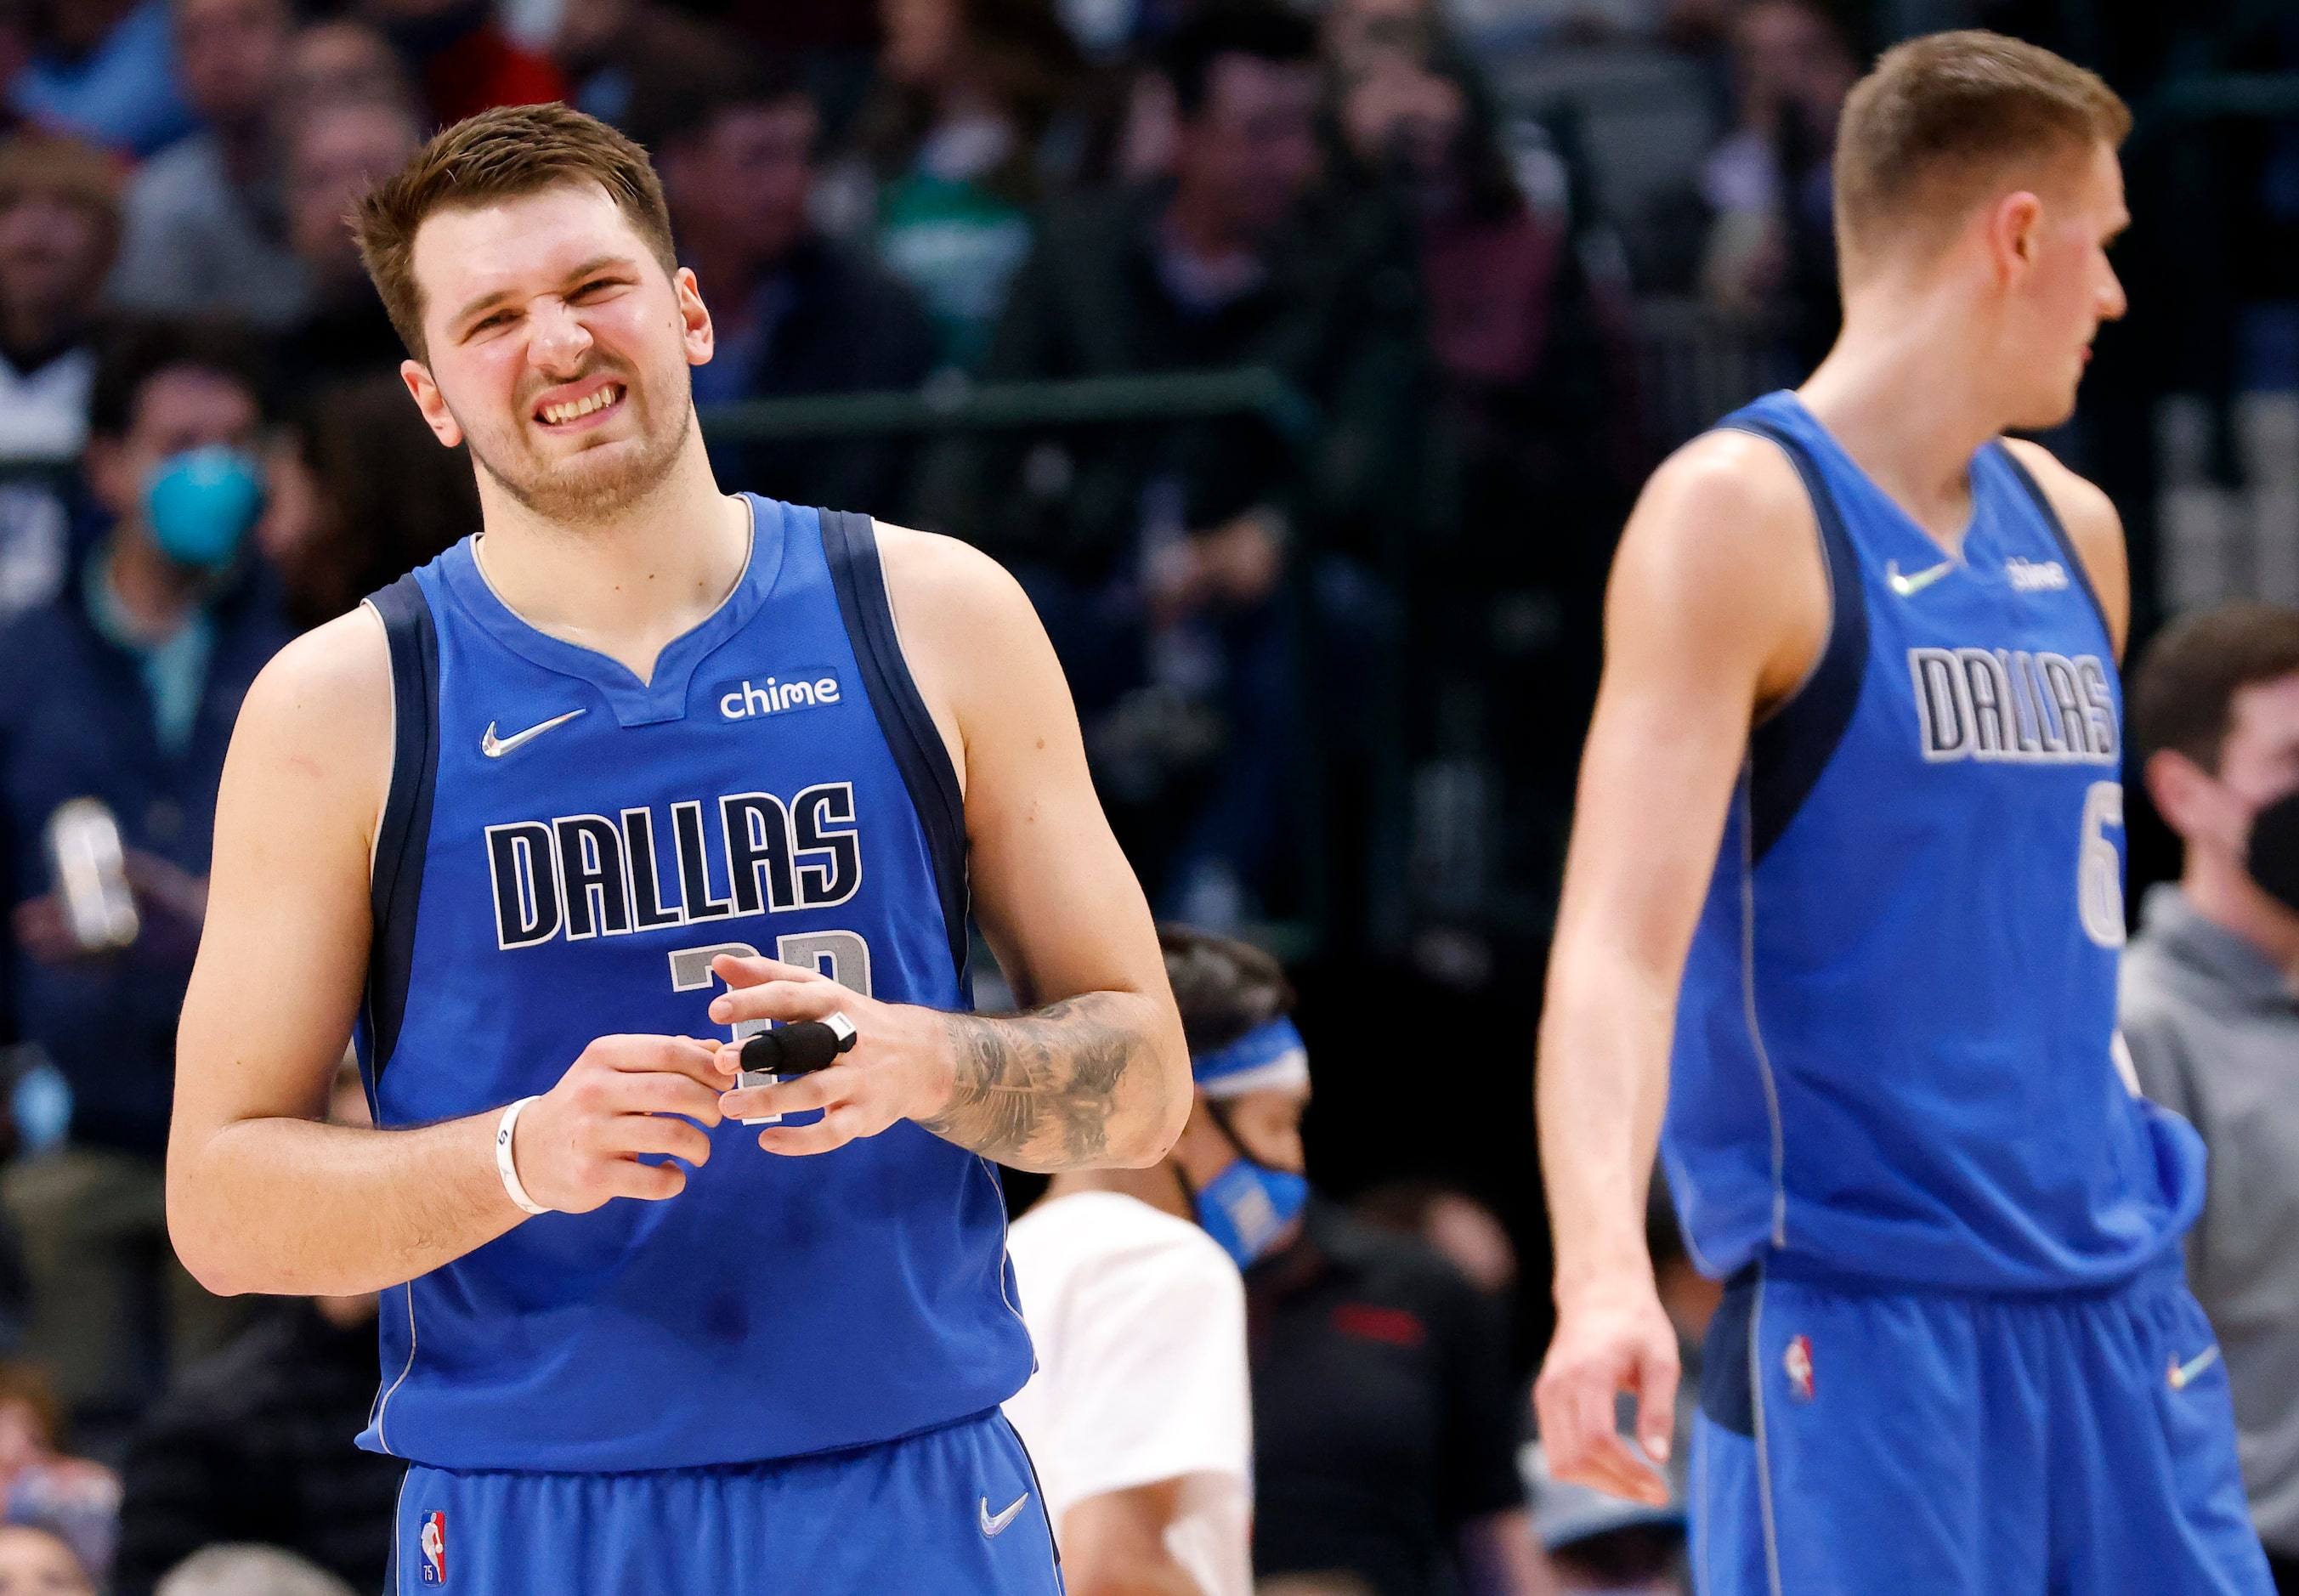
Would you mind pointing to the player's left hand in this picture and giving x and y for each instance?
(899, 1067)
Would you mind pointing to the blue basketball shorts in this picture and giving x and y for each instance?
(955, 1510)
(1856, 1442)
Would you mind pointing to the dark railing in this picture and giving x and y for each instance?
(954, 404)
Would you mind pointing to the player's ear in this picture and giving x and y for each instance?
(702, 338)
(104, 462)
(2015, 232)
(442, 421)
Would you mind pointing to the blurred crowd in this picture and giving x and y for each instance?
(1333, 638)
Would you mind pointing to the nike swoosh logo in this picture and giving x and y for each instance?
(2182, 1375)
(993, 1524)
(495, 747)
(1909, 586)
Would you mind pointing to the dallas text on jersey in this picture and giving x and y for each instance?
(583, 876)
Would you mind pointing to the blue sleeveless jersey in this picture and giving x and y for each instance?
(1894, 1042)
(564, 850)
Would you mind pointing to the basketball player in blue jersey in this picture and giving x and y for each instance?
(521, 822)
(1840, 924)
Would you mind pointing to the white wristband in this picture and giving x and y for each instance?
(504, 1165)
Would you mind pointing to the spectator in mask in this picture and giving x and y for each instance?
(141, 664)
(735, 139)
(1139, 1416)
(255, 1443)
(1384, 1428)
(2209, 1011)
(105, 71)
(205, 227)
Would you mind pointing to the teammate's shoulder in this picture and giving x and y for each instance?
(2083, 505)
(1723, 486)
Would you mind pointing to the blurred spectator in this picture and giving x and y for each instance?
(606, 49)
(1462, 1230)
(1139, 1417)
(464, 62)
(1155, 552)
(1596, 1542)
(796, 312)
(1385, 1430)
(73, 1499)
(105, 71)
(33, 1562)
(332, 155)
(205, 228)
(1774, 240)
(248, 1570)
(254, 1445)
(341, 62)
(960, 137)
(2208, 1011)
(366, 496)
(142, 664)
(59, 224)
(59, 227)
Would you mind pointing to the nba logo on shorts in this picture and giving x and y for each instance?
(1796, 1363)
(434, 1541)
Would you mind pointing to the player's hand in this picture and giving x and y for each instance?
(1609, 1339)
(900, 1067)
(579, 1144)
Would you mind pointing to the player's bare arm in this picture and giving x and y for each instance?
(2093, 525)
(1113, 1544)
(1097, 1073)
(1716, 609)
(261, 1195)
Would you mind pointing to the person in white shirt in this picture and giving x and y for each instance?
(1140, 1416)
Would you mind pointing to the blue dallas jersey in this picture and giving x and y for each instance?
(1893, 1051)
(563, 852)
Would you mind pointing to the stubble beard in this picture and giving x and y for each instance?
(567, 494)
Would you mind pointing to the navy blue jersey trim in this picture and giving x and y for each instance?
(2076, 566)
(849, 545)
(1727, 1393)
(1788, 751)
(397, 883)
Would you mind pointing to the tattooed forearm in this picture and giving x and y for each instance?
(1040, 1091)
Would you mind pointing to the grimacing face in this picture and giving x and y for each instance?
(557, 348)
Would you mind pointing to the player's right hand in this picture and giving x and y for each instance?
(1609, 1341)
(580, 1143)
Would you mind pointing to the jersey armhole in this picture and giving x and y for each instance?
(1788, 751)
(850, 546)
(2051, 514)
(395, 885)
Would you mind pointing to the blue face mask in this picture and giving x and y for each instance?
(202, 504)
(1248, 1206)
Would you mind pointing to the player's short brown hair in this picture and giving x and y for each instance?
(2183, 694)
(1941, 117)
(504, 154)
